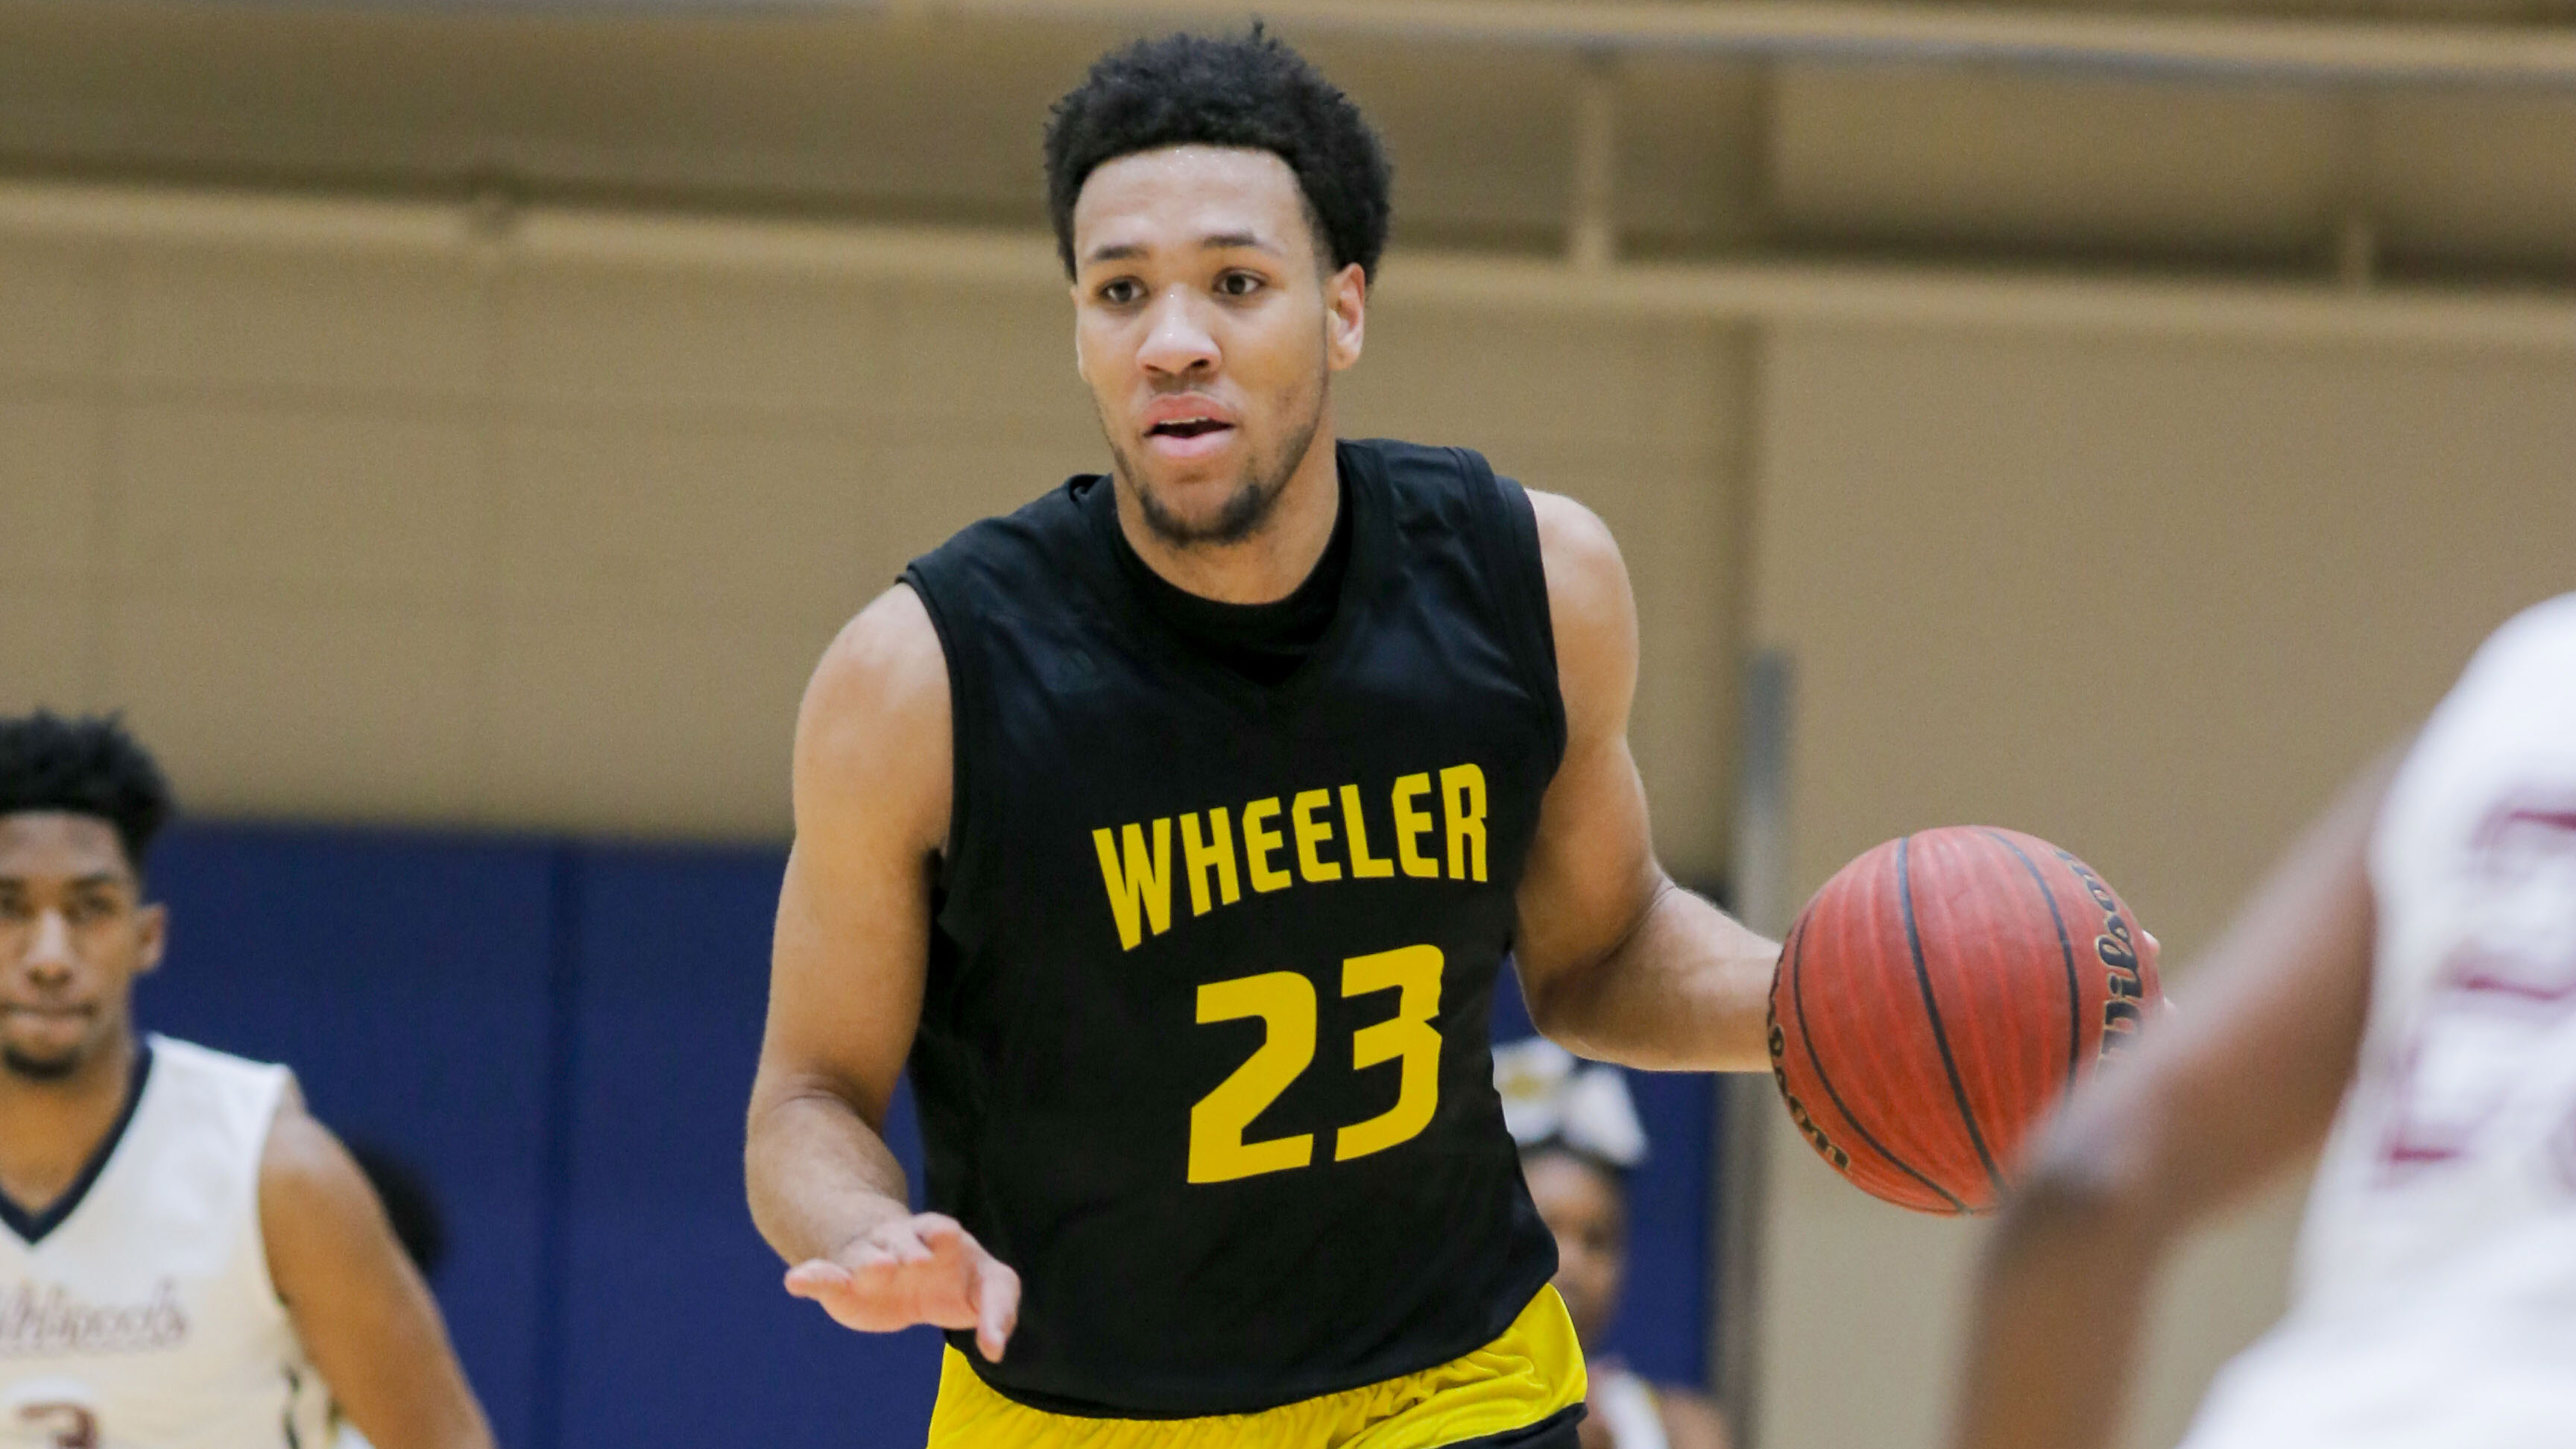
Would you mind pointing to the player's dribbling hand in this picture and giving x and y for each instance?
(918, 1269)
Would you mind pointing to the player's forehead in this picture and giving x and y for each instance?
(1567, 1186)
(59, 845)
(1182, 198)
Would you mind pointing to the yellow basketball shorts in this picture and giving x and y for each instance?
(1534, 1370)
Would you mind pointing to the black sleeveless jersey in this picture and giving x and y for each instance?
(1203, 1050)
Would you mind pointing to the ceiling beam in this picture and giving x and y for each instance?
(2252, 47)
(1776, 290)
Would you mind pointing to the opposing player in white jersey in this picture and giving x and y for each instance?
(187, 1260)
(2409, 978)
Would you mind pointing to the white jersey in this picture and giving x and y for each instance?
(2436, 1295)
(1626, 1406)
(139, 1314)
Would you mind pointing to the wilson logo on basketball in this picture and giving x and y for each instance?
(1798, 1113)
(2124, 1010)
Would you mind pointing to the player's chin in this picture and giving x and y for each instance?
(41, 1056)
(1197, 506)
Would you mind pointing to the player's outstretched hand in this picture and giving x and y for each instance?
(918, 1269)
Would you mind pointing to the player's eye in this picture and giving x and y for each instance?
(1120, 292)
(1237, 284)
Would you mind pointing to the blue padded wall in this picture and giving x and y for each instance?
(561, 1037)
(406, 980)
(680, 1332)
(1662, 1324)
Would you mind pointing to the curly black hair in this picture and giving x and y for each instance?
(84, 766)
(1248, 90)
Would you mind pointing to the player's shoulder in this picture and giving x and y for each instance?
(212, 1101)
(1439, 483)
(178, 1062)
(1591, 613)
(1430, 486)
(300, 1154)
(874, 734)
(1587, 581)
(1573, 537)
(883, 678)
(309, 1185)
(2541, 635)
(1436, 478)
(1437, 464)
(2525, 669)
(891, 644)
(1003, 550)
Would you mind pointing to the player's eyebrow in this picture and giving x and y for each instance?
(1226, 241)
(1222, 241)
(92, 881)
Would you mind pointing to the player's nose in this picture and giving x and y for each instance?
(1177, 342)
(49, 950)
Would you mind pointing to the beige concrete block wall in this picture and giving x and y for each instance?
(428, 534)
(2153, 601)
(1645, 422)
(375, 523)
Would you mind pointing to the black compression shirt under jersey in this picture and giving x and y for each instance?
(1262, 642)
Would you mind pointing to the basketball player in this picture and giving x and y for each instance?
(2415, 962)
(1174, 829)
(1579, 1137)
(187, 1260)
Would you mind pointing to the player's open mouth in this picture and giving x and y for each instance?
(1181, 439)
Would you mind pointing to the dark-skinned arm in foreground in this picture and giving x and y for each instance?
(847, 967)
(2209, 1105)
(1618, 963)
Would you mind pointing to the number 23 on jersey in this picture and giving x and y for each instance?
(1284, 1001)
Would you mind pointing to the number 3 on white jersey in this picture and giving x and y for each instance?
(51, 1414)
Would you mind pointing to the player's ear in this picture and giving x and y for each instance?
(152, 937)
(1346, 319)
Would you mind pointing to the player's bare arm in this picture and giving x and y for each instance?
(872, 783)
(2211, 1103)
(1618, 962)
(1691, 1421)
(365, 1317)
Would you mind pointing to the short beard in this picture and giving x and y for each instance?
(39, 1069)
(1242, 515)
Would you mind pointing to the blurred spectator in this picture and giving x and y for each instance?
(1579, 1134)
(408, 1202)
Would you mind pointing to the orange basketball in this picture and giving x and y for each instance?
(1937, 1000)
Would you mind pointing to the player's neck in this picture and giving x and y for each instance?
(50, 1128)
(1268, 564)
